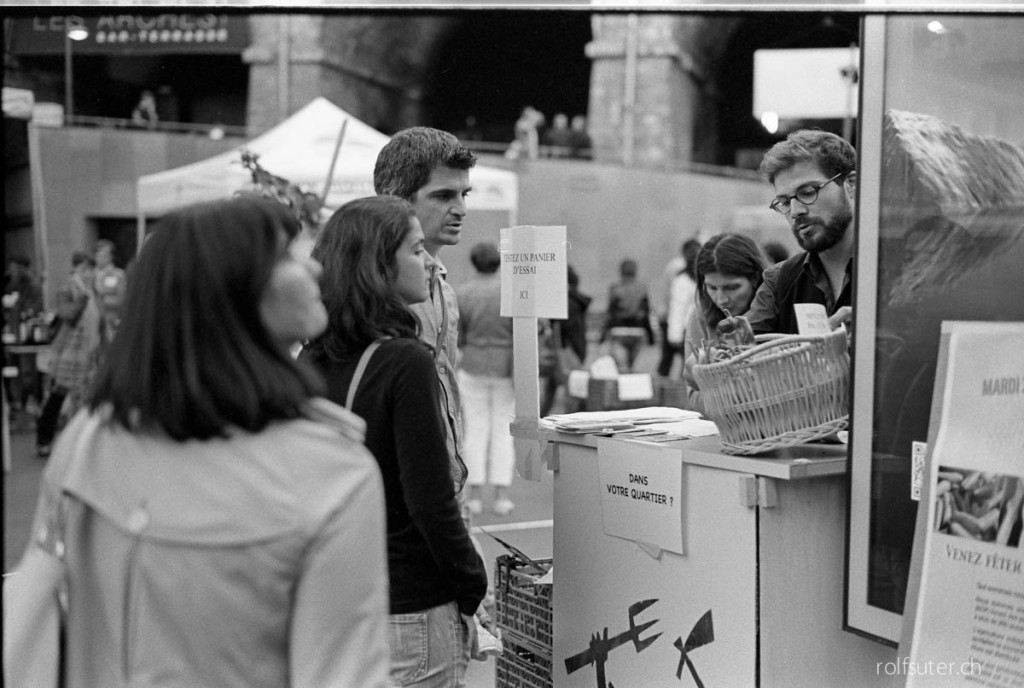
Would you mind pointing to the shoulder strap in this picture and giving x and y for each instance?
(358, 375)
(442, 336)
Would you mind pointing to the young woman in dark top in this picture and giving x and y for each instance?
(375, 266)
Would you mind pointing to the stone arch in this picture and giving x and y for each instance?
(398, 69)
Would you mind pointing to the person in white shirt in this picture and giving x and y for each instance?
(682, 287)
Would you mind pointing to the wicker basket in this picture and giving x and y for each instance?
(786, 391)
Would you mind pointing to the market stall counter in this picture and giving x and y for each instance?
(677, 564)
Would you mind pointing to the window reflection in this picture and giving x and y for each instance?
(950, 245)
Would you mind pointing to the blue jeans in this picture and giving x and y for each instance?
(429, 649)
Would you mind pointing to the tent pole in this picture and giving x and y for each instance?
(40, 232)
(140, 231)
(334, 160)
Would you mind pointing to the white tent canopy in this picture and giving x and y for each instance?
(300, 149)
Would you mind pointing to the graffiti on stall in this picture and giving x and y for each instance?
(703, 633)
(601, 645)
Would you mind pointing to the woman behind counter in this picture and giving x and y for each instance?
(729, 271)
(375, 266)
(217, 535)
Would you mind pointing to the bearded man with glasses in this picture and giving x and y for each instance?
(814, 176)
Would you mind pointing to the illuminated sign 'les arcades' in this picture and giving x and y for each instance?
(166, 32)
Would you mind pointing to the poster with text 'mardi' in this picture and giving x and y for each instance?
(964, 620)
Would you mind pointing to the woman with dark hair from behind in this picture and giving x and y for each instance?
(225, 526)
(375, 266)
(729, 271)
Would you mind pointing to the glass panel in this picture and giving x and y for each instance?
(949, 229)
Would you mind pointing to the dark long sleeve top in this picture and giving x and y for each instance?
(431, 559)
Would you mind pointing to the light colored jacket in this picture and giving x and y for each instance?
(439, 329)
(253, 561)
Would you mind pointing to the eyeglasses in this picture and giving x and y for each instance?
(806, 194)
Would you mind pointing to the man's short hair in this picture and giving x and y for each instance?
(485, 257)
(105, 243)
(405, 163)
(831, 153)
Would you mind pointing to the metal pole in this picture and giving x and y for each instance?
(69, 95)
(629, 88)
(284, 58)
(850, 76)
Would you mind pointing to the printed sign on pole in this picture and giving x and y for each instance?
(533, 272)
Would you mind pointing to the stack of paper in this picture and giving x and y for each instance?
(691, 427)
(610, 421)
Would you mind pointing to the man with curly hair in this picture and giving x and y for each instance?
(814, 174)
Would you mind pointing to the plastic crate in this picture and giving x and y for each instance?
(518, 667)
(522, 607)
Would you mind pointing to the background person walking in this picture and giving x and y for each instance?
(485, 378)
(111, 284)
(628, 319)
(73, 351)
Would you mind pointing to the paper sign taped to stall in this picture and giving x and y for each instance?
(811, 318)
(642, 493)
(534, 272)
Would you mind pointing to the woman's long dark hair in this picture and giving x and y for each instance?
(727, 254)
(357, 249)
(192, 356)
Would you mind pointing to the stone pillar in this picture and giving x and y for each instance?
(649, 87)
(376, 67)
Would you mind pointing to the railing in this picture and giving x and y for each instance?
(585, 155)
(214, 131)
(218, 131)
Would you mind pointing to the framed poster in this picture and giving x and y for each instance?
(964, 614)
(940, 221)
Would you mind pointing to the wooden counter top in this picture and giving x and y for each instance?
(793, 463)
